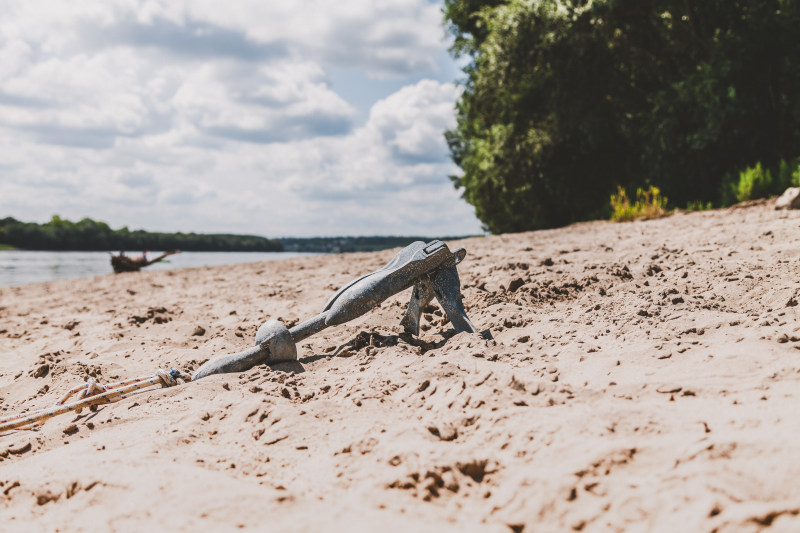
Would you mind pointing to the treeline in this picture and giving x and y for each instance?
(350, 244)
(564, 100)
(91, 235)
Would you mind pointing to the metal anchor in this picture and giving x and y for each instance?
(429, 267)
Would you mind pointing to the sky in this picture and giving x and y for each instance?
(291, 118)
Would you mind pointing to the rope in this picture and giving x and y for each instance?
(91, 394)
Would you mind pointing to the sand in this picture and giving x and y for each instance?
(642, 377)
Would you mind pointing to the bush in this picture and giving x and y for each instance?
(788, 174)
(784, 175)
(754, 182)
(697, 205)
(759, 181)
(648, 204)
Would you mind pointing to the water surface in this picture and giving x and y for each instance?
(18, 267)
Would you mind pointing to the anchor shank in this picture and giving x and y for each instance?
(305, 329)
(236, 362)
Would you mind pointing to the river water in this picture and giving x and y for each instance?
(18, 267)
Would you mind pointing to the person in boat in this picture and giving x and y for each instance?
(123, 263)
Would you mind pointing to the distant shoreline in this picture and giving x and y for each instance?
(88, 235)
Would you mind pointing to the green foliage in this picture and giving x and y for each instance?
(788, 174)
(754, 182)
(784, 174)
(87, 234)
(564, 99)
(697, 205)
(649, 204)
(758, 181)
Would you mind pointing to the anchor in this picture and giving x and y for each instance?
(429, 267)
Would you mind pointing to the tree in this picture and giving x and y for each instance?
(88, 234)
(566, 99)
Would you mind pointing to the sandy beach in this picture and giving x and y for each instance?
(642, 377)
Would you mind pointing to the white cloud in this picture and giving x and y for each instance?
(386, 38)
(176, 115)
(401, 145)
(411, 121)
(278, 102)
